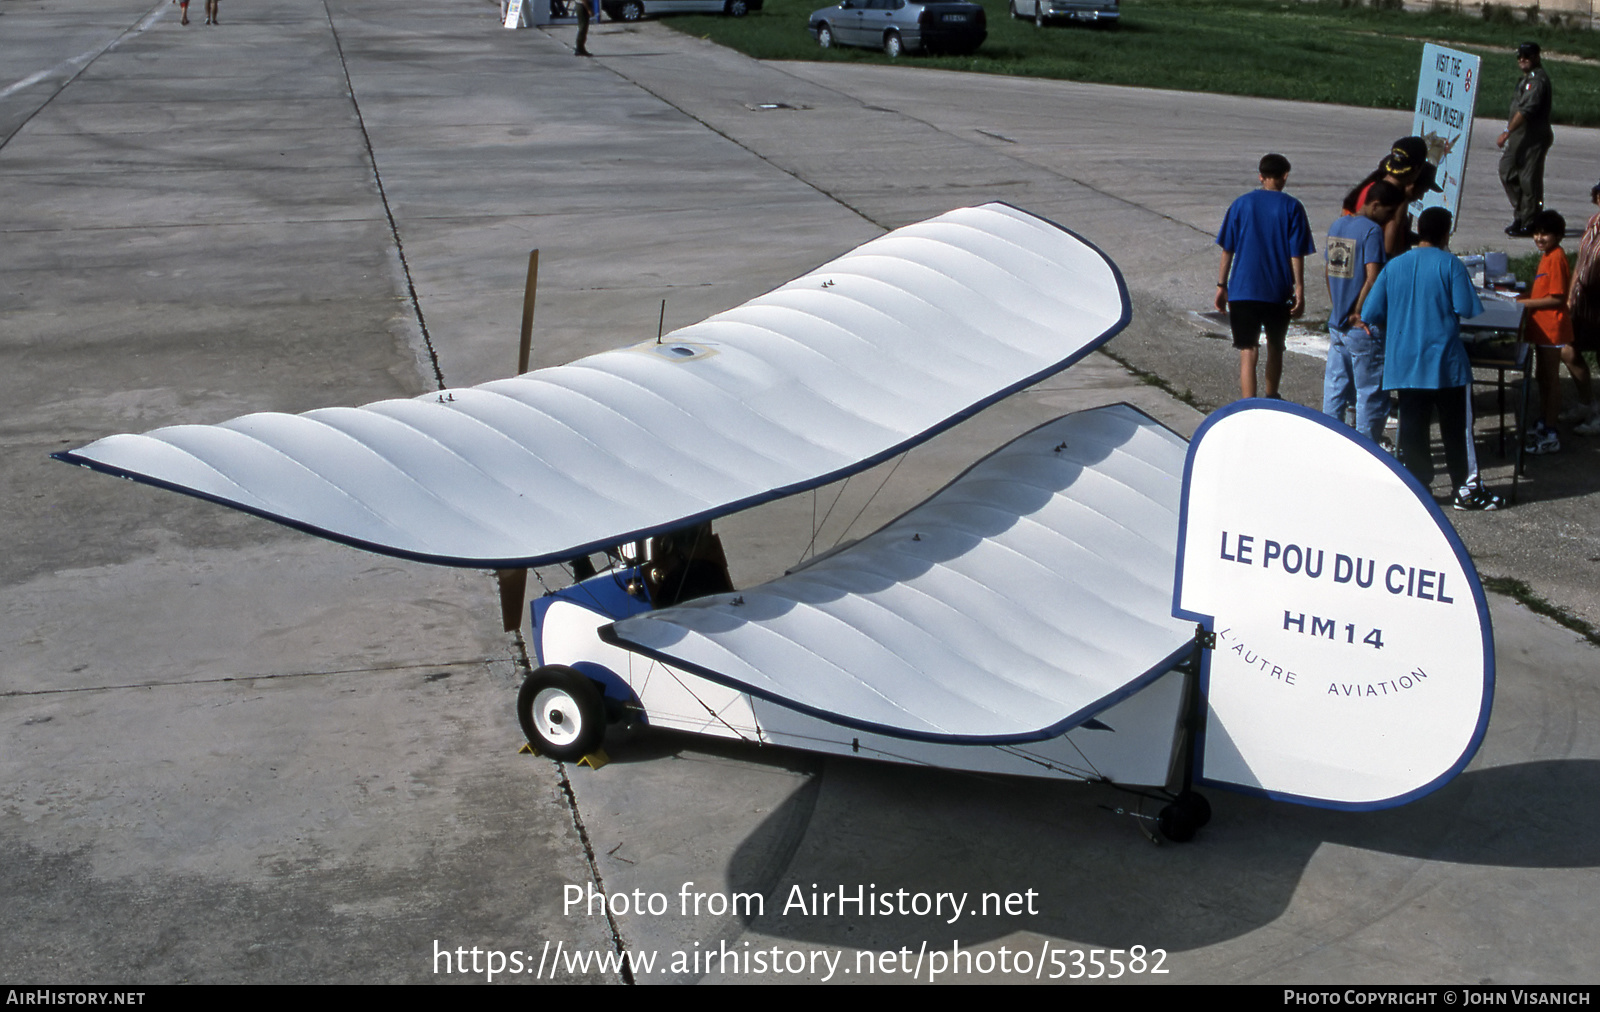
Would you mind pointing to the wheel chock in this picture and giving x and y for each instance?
(594, 760)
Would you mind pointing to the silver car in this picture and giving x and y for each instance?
(1097, 12)
(901, 26)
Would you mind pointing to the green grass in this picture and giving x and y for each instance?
(1312, 51)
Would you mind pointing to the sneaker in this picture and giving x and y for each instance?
(1578, 412)
(1542, 442)
(1589, 428)
(1479, 500)
(1535, 432)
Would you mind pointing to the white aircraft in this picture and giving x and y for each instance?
(1275, 608)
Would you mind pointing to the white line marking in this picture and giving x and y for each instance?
(72, 66)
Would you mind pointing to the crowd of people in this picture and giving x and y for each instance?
(1398, 296)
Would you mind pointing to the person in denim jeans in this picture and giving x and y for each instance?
(1355, 255)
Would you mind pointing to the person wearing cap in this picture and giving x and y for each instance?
(1265, 238)
(1407, 167)
(1525, 141)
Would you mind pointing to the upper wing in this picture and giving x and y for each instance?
(1030, 594)
(827, 375)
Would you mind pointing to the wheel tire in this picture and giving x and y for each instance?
(1175, 825)
(1183, 818)
(893, 46)
(825, 36)
(1013, 6)
(631, 10)
(736, 8)
(1197, 806)
(1038, 13)
(562, 713)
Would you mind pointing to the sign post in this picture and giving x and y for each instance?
(1447, 94)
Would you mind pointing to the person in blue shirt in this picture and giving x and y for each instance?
(1265, 239)
(1419, 300)
(1355, 255)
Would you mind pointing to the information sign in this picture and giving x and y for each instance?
(1447, 94)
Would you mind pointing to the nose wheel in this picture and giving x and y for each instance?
(561, 712)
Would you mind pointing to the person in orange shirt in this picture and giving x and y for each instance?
(1549, 326)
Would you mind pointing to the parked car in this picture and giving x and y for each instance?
(1095, 12)
(901, 26)
(633, 10)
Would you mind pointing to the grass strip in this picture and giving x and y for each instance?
(1305, 50)
(1524, 595)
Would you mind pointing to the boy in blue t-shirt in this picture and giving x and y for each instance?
(1355, 255)
(1265, 239)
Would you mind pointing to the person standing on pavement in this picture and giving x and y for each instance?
(1265, 238)
(1525, 141)
(1583, 308)
(1420, 299)
(1548, 327)
(1355, 254)
(581, 49)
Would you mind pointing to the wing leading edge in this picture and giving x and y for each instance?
(1028, 595)
(825, 376)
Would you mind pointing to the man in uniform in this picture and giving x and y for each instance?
(1525, 141)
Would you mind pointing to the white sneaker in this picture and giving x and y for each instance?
(1543, 441)
(1577, 412)
(1589, 428)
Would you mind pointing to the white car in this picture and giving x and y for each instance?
(1096, 12)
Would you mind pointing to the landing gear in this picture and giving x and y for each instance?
(562, 713)
(1186, 811)
(1183, 818)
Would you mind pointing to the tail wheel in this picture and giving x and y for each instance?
(1183, 818)
(561, 712)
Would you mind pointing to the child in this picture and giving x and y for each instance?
(1549, 327)
(1265, 238)
(1355, 255)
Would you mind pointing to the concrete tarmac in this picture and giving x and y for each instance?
(233, 753)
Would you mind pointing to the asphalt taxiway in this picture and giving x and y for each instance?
(233, 753)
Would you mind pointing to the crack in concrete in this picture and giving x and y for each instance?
(220, 679)
(594, 872)
(388, 211)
